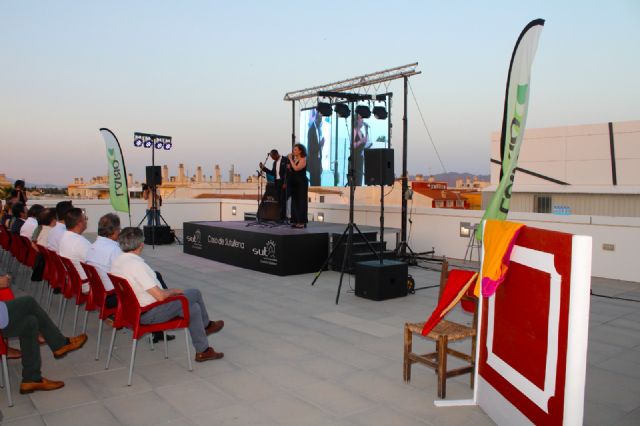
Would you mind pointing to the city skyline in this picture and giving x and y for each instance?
(213, 76)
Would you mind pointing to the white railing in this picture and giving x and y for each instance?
(429, 228)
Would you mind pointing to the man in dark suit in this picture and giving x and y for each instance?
(278, 173)
(315, 142)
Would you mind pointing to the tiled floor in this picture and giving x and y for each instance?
(293, 357)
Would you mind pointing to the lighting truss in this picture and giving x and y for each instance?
(359, 82)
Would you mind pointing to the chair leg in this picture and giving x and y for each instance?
(442, 367)
(408, 346)
(100, 322)
(84, 324)
(49, 300)
(153, 348)
(75, 319)
(166, 345)
(61, 307)
(113, 340)
(133, 358)
(186, 337)
(5, 373)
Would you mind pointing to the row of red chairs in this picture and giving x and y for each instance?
(60, 274)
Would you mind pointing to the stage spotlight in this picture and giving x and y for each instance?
(380, 112)
(363, 111)
(342, 110)
(159, 144)
(167, 146)
(324, 109)
(148, 143)
(137, 142)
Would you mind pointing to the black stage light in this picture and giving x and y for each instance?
(380, 112)
(363, 111)
(159, 144)
(342, 110)
(324, 109)
(137, 142)
(168, 146)
(148, 143)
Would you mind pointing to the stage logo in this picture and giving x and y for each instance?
(195, 239)
(267, 253)
(228, 242)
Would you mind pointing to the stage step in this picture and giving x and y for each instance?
(360, 252)
(369, 236)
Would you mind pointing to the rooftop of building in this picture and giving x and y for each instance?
(293, 357)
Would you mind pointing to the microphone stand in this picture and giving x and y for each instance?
(258, 221)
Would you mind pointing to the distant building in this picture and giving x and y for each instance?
(586, 170)
(4, 182)
(439, 194)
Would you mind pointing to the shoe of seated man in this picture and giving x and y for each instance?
(208, 355)
(214, 327)
(43, 385)
(73, 343)
(158, 337)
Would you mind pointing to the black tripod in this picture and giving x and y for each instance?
(348, 231)
(155, 214)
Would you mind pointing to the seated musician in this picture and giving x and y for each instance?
(278, 173)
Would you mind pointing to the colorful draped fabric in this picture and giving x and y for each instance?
(458, 282)
(498, 241)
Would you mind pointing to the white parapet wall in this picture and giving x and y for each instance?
(613, 237)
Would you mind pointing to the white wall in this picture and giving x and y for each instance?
(437, 228)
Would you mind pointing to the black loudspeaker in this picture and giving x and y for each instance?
(378, 166)
(269, 210)
(163, 235)
(154, 176)
(384, 281)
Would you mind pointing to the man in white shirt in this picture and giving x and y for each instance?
(31, 223)
(147, 289)
(73, 245)
(58, 231)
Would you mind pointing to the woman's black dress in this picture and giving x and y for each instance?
(299, 189)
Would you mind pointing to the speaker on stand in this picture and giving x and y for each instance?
(380, 279)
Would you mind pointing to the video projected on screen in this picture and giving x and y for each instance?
(327, 142)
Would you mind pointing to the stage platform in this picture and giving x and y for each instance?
(278, 250)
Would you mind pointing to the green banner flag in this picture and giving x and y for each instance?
(118, 191)
(516, 104)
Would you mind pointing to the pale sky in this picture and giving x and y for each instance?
(213, 74)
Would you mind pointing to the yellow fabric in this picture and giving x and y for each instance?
(497, 241)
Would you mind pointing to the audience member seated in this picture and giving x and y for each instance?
(19, 213)
(31, 223)
(58, 231)
(24, 318)
(104, 251)
(46, 222)
(147, 289)
(6, 212)
(73, 245)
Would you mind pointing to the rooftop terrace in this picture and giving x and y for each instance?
(293, 357)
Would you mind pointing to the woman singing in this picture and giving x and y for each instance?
(298, 186)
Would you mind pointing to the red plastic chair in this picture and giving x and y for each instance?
(50, 274)
(4, 377)
(97, 300)
(74, 290)
(62, 284)
(128, 315)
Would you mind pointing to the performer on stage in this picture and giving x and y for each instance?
(360, 142)
(278, 173)
(315, 142)
(298, 186)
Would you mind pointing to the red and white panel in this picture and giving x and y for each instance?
(532, 363)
